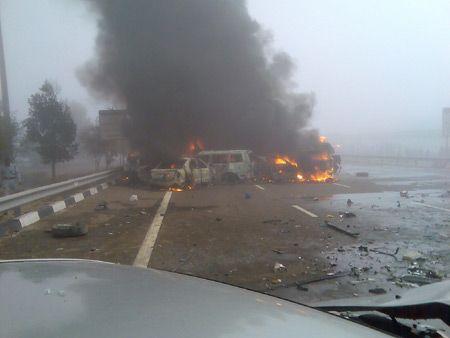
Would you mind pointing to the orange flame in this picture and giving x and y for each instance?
(322, 139)
(284, 160)
(195, 146)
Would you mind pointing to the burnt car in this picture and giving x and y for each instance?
(180, 173)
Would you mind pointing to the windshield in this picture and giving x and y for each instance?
(311, 140)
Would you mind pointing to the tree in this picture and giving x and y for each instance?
(8, 132)
(93, 144)
(50, 126)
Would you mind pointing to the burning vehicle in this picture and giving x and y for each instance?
(319, 164)
(229, 166)
(178, 174)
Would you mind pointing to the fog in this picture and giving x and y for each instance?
(373, 65)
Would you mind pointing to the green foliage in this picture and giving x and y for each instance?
(50, 126)
(8, 132)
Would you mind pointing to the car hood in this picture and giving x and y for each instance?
(77, 298)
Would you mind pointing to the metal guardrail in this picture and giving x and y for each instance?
(15, 200)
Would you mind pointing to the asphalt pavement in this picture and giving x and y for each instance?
(272, 238)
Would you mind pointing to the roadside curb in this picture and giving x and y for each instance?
(18, 223)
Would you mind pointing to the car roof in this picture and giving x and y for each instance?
(212, 152)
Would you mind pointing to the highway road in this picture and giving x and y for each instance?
(237, 233)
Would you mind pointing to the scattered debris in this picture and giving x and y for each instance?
(330, 216)
(247, 195)
(411, 255)
(404, 193)
(398, 296)
(315, 198)
(398, 204)
(419, 280)
(218, 219)
(348, 233)
(346, 214)
(278, 267)
(327, 277)
(133, 198)
(362, 174)
(302, 288)
(386, 253)
(349, 202)
(418, 271)
(69, 230)
(143, 212)
(377, 291)
(101, 206)
(363, 248)
(278, 251)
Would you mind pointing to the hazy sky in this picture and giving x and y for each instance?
(373, 64)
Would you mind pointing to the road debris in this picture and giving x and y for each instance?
(315, 280)
(419, 280)
(362, 174)
(133, 198)
(247, 195)
(69, 230)
(411, 255)
(335, 227)
(278, 251)
(346, 214)
(278, 267)
(404, 193)
(349, 202)
(377, 291)
(386, 253)
(101, 206)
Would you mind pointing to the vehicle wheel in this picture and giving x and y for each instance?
(230, 178)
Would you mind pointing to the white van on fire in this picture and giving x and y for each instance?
(229, 165)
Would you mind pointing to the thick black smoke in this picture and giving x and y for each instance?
(189, 69)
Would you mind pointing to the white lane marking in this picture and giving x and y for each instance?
(304, 210)
(29, 218)
(93, 191)
(431, 206)
(342, 185)
(145, 252)
(259, 187)
(78, 197)
(58, 206)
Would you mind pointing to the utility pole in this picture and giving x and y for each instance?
(3, 81)
(4, 107)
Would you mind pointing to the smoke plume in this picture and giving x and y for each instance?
(196, 69)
